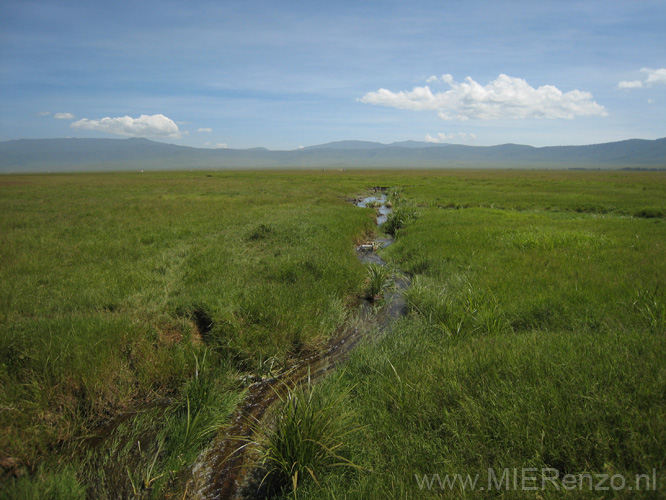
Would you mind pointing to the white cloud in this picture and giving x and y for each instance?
(446, 78)
(218, 145)
(654, 76)
(461, 136)
(504, 98)
(205, 130)
(633, 84)
(145, 125)
(63, 116)
(44, 113)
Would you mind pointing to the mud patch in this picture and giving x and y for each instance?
(169, 334)
(204, 323)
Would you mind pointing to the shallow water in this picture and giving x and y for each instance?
(382, 210)
(224, 470)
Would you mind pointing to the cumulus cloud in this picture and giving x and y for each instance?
(446, 78)
(633, 84)
(63, 116)
(145, 125)
(503, 98)
(205, 130)
(460, 136)
(652, 76)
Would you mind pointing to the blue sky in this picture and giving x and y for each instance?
(284, 74)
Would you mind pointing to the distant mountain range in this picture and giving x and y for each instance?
(60, 155)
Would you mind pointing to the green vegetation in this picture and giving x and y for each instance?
(305, 437)
(114, 289)
(378, 280)
(402, 214)
(133, 307)
(535, 339)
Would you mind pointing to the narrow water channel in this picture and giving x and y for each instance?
(382, 209)
(224, 470)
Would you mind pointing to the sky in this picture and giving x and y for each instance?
(287, 74)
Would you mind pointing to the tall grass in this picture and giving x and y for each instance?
(456, 312)
(143, 456)
(109, 282)
(535, 339)
(535, 334)
(651, 307)
(47, 486)
(306, 437)
(574, 402)
(378, 280)
(402, 212)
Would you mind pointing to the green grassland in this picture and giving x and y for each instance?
(535, 337)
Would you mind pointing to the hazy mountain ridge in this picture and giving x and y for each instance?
(39, 155)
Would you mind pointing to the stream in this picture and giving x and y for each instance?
(224, 470)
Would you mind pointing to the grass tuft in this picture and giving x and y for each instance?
(402, 214)
(45, 486)
(651, 307)
(378, 280)
(307, 436)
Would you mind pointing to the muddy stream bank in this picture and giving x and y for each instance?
(224, 470)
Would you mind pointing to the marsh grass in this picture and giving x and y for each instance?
(457, 312)
(651, 307)
(538, 238)
(535, 399)
(143, 484)
(535, 335)
(402, 214)
(110, 281)
(142, 456)
(306, 436)
(535, 338)
(379, 279)
(46, 486)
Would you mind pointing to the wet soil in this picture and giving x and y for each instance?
(224, 470)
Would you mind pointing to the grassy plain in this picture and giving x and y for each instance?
(535, 337)
(116, 286)
(535, 343)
